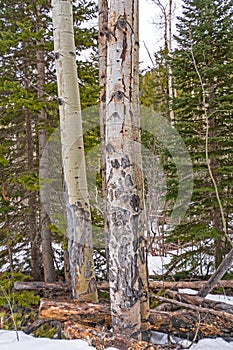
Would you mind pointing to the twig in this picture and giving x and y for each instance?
(11, 311)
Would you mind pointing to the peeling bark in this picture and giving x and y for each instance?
(79, 231)
(102, 47)
(125, 205)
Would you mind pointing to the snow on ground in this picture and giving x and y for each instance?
(215, 297)
(8, 341)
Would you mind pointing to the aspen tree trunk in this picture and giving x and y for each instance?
(137, 160)
(79, 231)
(102, 46)
(46, 236)
(125, 206)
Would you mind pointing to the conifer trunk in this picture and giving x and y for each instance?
(32, 195)
(46, 236)
(79, 230)
(125, 205)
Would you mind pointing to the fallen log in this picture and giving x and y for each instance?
(153, 285)
(199, 309)
(190, 324)
(199, 301)
(218, 274)
(183, 322)
(79, 311)
(103, 339)
(47, 290)
(157, 285)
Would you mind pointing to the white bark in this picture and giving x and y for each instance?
(79, 230)
(125, 205)
(102, 46)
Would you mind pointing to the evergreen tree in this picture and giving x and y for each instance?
(203, 69)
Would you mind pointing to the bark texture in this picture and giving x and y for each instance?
(182, 318)
(102, 47)
(46, 236)
(125, 207)
(79, 231)
(80, 311)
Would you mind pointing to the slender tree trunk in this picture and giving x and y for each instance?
(79, 230)
(102, 45)
(169, 66)
(125, 206)
(32, 206)
(137, 160)
(217, 222)
(46, 236)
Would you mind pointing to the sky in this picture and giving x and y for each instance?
(149, 30)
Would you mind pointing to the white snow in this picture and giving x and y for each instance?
(212, 344)
(215, 297)
(156, 264)
(8, 341)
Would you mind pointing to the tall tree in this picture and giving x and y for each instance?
(79, 231)
(166, 17)
(124, 185)
(203, 73)
(46, 234)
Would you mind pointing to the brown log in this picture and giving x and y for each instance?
(182, 322)
(186, 323)
(103, 339)
(41, 286)
(79, 311)
(153, 285)
(47, 290)
(199, 309)
(199, 301)
(157, 285)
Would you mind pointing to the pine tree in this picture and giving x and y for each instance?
(203, 75)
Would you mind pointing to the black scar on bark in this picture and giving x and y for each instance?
(142, 255)
(125, 162)
(109, 148)
(120, 217)
(128, 180)
(115, 163)
(135, 203)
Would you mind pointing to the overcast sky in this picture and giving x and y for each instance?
(150, 31)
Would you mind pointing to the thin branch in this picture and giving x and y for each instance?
(11, 311)
(207, 144)
(148, 52)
